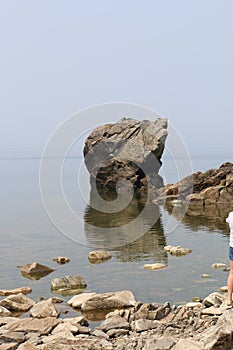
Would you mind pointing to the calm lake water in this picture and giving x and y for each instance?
(28, 235)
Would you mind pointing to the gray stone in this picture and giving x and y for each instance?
(216, 337)
(66, 327)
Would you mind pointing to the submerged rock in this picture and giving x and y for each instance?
(35, 270)
(155, 266)
(127, 150)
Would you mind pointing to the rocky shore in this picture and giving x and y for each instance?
(128, 324)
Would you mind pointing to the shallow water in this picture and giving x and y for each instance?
(27, 235)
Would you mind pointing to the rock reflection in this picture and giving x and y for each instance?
(143, 238)
(213, 217)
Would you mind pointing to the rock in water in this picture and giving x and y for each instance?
(35, 270)
(127, 150)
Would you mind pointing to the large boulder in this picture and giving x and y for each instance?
(127, 150)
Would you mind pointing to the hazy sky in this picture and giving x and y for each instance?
(60, 56)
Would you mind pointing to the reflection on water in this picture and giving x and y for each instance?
(125, 240)
(211, 217)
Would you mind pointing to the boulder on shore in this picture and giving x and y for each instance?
(214, 186)
(127, 150)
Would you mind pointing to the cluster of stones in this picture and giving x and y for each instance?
(132, 325)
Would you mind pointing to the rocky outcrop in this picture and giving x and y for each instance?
(206, 325)
(215, 186)
(127, 150)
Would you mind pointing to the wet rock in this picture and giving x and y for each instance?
(117, 152)
(99, 256)
(223, 289)
(61, 260)
(155, 266)
(35, 270)
(44, 308)
(68, 282)
(77, 300)
(218, 265)
(177, 250)
(17, 303)
(110, 300)
(23, 290)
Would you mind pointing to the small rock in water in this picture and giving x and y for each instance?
(218, 265)
(35, 270)
(223, 289)
(155, 266)
(99, 256)
(205, 275)
(68, 282)
(24, 290)
(177, 250)
(61, 260)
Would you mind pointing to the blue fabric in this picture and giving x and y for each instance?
(231, 253)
